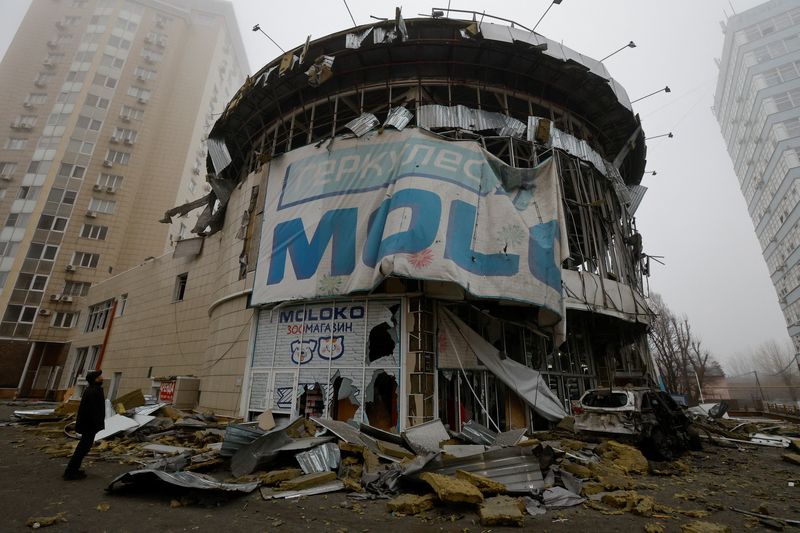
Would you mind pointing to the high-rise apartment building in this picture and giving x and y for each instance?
(757, 104)
(103, 117)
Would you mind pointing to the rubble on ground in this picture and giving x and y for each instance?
(503, 478)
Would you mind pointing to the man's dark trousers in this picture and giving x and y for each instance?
(83, 447)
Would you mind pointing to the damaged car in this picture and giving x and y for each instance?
(646, 417)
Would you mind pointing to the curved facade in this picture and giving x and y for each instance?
(384, 127)
(427, 219)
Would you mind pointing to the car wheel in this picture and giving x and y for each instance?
(660, 446)
(695, 443)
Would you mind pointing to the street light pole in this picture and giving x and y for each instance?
(629, 45)
(665, 89)
(257, 27)
(554, 2)
(670, 135)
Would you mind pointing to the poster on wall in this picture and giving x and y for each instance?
(339, 359)
(340, 219)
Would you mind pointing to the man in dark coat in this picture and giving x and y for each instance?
(90, 420)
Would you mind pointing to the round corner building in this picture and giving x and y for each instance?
(442, 226)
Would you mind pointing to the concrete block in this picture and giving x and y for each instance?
(452, 490)
(484, 484)
(277, 476)
(309, 480)
(410, 504)
(393, 450)
(791, 458)
(705, 527)
(576, 470)
(502, 511)
(623, 457)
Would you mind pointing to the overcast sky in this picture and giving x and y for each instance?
(694, 214)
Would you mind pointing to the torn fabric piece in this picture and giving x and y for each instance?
(526, 382)
(455, 222)
(400, 24)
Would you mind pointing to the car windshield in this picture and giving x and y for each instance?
(605, 399)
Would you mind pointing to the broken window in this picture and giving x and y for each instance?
(317, 363)
(383, 337)
(380, 401)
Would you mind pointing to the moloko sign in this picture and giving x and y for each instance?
(412, 205)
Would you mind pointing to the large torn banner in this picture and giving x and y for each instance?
(410, 204)
(465, 343)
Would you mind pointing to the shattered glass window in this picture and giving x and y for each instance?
(334, 359)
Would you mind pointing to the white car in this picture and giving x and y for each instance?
(647, 417)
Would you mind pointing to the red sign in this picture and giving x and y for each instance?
(167, 391)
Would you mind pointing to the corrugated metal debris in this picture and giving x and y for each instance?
(517, 468)
(398, 118)
(238, 435)
(427, 437)
(259, 452)
(271, 494)
(637, 195)
(320, 459)
(343, 430)
(189, 480)
(218, 151)
(511, 437)
(463, 117)
(478, 433)
(365, 123)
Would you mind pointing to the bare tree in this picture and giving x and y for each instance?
(681, 359)
(778, 360)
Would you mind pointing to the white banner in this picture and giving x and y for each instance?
(340, 219)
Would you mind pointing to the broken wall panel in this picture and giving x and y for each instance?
(339, 359)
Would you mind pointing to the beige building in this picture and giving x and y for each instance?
(106, 106)
(410, 220)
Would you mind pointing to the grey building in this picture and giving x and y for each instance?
(757, 105)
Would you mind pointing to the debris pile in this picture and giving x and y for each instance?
(500, 477)
(716, 426)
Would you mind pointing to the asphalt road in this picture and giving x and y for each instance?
(31, 486)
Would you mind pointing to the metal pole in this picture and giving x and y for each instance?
(699, 388)
(542, 17)
(758, 384)
(25, 369)
(665, 90)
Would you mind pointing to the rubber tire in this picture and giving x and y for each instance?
(660, 446)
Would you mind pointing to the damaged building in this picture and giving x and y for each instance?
(409, 220)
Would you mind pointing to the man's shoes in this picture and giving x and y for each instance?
(73, 476)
